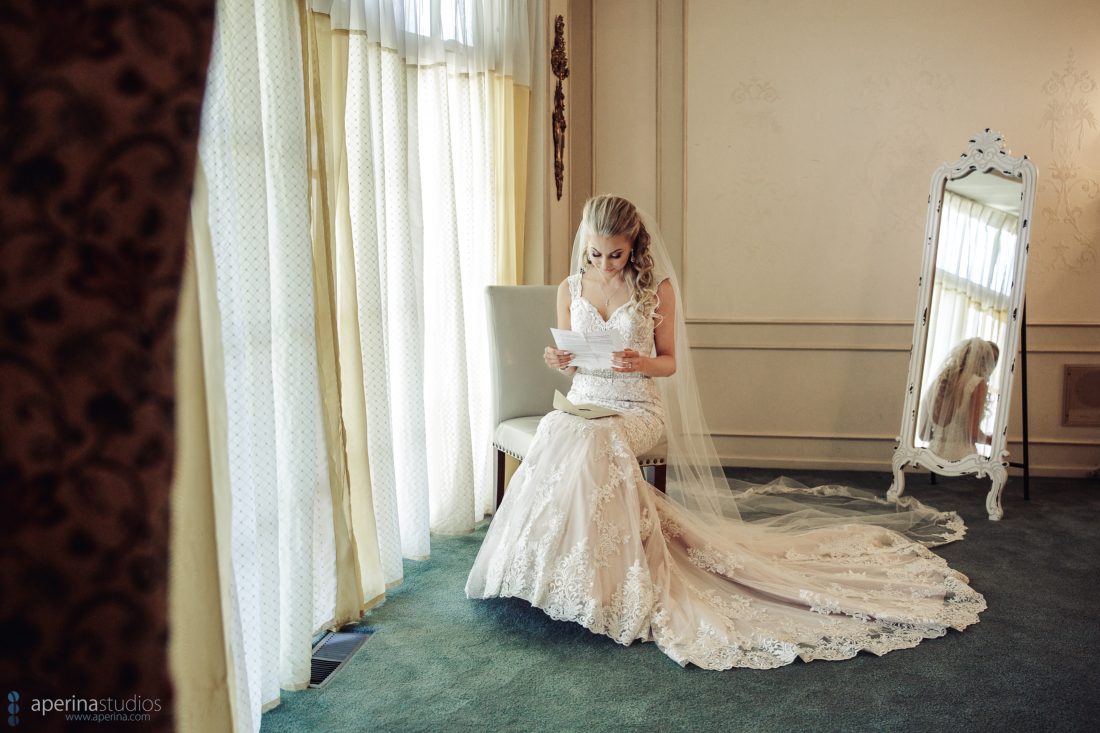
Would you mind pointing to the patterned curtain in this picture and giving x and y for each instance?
(99, 122)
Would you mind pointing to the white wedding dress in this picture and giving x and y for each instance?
(581, 535)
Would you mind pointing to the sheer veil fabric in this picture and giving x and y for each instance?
(697, 480)
(756, 576)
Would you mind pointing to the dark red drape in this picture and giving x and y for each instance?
(100, 119)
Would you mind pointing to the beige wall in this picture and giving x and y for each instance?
(787, 149)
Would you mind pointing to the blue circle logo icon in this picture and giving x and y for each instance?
(13, 709)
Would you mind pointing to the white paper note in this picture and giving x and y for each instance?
(590, 350)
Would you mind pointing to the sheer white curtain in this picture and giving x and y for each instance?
(280, 529)
(973, 280)
(419, 147)
(281, 579)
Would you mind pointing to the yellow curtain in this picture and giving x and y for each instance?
(511, 120)
(326, 59)
(199, 571)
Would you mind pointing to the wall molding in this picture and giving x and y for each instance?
(795, 322)
(1063, 350)
(684, 156)
(760, 435)
(806, 347)
(866, 335)
(712, 321)
(789, 463)
(864, 347)
(658, 95)
(885, 438)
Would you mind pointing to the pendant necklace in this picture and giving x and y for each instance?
(607, 300)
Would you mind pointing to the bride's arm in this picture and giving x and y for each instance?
(552, 356)
(977, 412)
(664, 336)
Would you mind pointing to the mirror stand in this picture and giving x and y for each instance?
(997, 473)
(969, 319)
(1025, 464)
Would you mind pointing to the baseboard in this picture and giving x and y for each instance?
(840, 464)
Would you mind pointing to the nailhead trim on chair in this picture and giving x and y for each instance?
(505, 450)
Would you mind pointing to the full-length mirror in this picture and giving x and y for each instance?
(967, 325)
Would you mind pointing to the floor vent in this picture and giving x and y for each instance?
(331, 653)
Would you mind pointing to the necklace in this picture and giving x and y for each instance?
(607, 298)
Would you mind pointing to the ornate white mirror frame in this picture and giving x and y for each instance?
(986, 154)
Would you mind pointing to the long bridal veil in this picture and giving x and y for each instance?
(697, 480)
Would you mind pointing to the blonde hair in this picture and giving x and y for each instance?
(613, 216)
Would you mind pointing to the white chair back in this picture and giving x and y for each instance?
(520, 319)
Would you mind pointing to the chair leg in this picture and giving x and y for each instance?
(500, 476)
(660, 474)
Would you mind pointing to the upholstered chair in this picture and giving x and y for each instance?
(520, 319)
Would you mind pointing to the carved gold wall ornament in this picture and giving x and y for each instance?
(559, 64)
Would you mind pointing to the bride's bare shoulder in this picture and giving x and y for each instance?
(665, 292)
(564, 293)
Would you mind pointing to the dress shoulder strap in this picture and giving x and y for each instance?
(574, 285)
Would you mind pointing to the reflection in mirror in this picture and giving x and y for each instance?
(967, 324)
(969, 316)
(955, 409)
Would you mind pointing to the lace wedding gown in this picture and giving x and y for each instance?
(581, 535)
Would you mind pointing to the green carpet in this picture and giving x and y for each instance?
(439, 662)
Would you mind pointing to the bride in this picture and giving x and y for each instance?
(955, 403)
(719, 577)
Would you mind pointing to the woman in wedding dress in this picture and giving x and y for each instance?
(954, 405)
(754, 576)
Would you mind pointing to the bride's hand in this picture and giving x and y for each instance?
(627, 361)
(556, 358)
